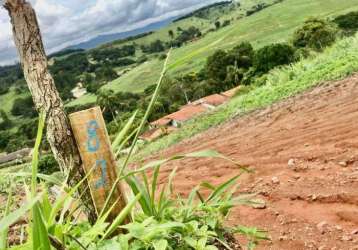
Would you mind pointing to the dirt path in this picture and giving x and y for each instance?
(305, 153)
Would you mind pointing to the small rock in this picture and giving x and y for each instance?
(343, 164)
(339, 228)
(322, 227)
(275, 180)
(291, 162)
(297, 177)
(346, 238)
(355, 231)
(259, 204)
(322, 248)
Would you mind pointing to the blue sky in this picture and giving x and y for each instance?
(67, 22)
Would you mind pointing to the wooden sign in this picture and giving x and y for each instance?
(94, 146)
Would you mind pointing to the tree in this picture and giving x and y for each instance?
(315, 34)
(33, 59)
(271, 56)
(217, 25)
(216, 65)
(243, 55)
(6, 122)
(171, 34)
(24, 107)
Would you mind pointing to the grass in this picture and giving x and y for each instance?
(272, 25)
(334, 63)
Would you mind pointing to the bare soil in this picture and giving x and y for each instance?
(305, 154)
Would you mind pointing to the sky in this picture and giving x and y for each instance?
(68, 22)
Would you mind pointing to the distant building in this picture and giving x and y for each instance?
(171, 122)
(79, 91)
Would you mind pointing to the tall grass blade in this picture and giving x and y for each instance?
(121, 217)
(140, 128)
(123, 133)
(223, 188)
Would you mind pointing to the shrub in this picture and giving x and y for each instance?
(6, 122)
(226, 23)
(271, 56)
(348, 22)
(216, 65)
(4, 139)
(48, 164)
(23, 107)
(153, 47)
(316, 34)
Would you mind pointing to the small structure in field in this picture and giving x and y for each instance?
(79, 91)
(172, 122)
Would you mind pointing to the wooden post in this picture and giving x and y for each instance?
(27, 37)
(94, 146)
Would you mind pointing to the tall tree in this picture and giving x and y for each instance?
(27, 36)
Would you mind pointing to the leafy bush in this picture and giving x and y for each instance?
(348, 22)
(5, 122)
(48, 164)
(4, 139)
(153, 47)
(272, 56)
(315, 34)
(23, 107)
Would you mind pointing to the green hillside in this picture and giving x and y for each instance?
(271, 25)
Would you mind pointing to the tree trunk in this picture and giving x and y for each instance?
(33, 59)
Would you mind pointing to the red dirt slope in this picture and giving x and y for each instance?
(305, 153)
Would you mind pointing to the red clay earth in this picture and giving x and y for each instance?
(305, 154)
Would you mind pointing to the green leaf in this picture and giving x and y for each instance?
(40, 239)
(123, 133)
(121, 216)
(223, 188)
(160, 244)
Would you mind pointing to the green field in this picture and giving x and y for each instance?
(272, 25)
(335, 63)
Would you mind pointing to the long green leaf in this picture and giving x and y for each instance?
(122, 134)
(121, 217)
(139, 131)
(222, 188)
(35, 154)
(40, 238)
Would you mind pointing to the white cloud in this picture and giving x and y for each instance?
(65, 22)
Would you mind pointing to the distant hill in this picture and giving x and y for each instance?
(103, 39)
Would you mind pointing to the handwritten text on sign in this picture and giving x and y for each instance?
(93, 143)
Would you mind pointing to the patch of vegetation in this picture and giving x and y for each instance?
(315, 34)
(348, 22)
(336, 62)
(203, 12)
